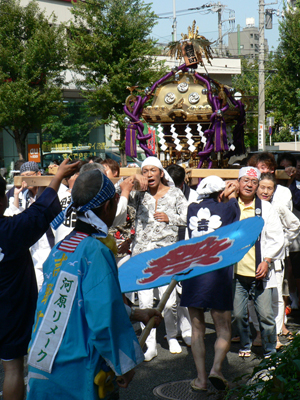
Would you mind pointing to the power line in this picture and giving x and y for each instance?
(181, 15)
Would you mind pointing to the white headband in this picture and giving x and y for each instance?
(249, 171)
(156, 163)
(209, 185)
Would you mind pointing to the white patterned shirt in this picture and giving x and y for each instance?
(150, 233)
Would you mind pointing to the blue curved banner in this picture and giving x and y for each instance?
(189, 258)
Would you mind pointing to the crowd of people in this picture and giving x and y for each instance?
(61, 246)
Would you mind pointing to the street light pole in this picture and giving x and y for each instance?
(261, 79)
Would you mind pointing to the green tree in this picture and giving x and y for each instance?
(70, 126)
(112, 50)
(284, 94)
(282, 134)
(32, 55)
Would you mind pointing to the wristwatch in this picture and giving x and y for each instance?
(268, 262)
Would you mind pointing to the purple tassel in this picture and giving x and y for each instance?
(130, 141)
(220, 142)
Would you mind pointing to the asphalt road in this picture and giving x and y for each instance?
(167, 367)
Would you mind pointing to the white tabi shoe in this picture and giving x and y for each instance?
(150, 354)
(174, 346)
(187, 340)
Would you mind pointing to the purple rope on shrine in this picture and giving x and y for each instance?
(205, 154)
(137, 125)
(207, 83)
(162, 80)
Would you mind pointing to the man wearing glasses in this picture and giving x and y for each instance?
(29, 168)
(255, 272)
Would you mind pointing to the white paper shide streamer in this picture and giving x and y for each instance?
(231, 146)
(175, 137)
(201, 134)
(161, 138)
(190, 141)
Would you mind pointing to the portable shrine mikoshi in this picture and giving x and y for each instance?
(193, 113)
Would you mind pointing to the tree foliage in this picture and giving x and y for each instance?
(112, 49)
(286, 83)
(274, 378)
(282, 82)
(70, 126)
(32, 55)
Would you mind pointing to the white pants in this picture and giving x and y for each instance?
(169, 313)
(277, 302)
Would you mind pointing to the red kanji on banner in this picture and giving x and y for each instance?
(186, 256)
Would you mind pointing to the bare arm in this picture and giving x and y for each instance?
(262, 269)
(144, 315)
(126, 186)
(143, 181)
(17, 191)
(63, 171)
(230, 191)
(124, 380)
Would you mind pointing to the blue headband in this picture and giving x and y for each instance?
(106, 192)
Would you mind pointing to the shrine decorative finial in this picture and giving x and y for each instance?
(192, 47)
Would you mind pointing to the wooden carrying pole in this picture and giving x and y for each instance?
(33, 180)
(125, 172)
(160, 307)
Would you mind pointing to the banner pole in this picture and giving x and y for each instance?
(160, 307)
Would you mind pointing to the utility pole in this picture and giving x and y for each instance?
(261, 78)
(220, 10)
(174, 26)
(261, 74)
(239, 39)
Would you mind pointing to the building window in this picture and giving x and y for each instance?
(251, 34)
(256, 37)
(251, 45)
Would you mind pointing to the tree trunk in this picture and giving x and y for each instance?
(122, 146)
(123, 158)
(20, 143)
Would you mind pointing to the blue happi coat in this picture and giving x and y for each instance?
(81, 324)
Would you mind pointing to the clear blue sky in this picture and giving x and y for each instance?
(208, 23)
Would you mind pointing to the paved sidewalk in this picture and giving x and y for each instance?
(167, 367)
